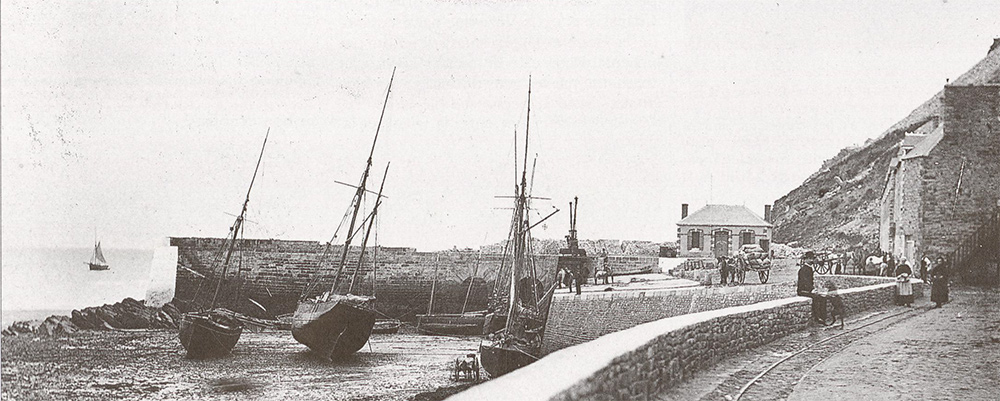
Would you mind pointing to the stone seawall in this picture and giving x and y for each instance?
(574, 319)
(636, 363)
(274, 273)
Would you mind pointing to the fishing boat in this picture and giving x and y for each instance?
(339, 322)
(97, 261)
(209, 331)
(463, 323)
(528, 291)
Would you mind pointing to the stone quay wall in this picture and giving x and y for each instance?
(575, 319)
(647, 359)
(275, 273)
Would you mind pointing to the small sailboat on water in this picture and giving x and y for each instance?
(97, 262)
(210, 331)
(518, 343)
(339, 322)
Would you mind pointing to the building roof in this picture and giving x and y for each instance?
(924, 147)
(723, 215)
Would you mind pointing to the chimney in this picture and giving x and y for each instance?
(767, 213)
(684, 210)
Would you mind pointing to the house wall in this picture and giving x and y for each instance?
(760, 232)
(906, 209)
(961, 175)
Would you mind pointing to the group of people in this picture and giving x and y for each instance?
(937, 273)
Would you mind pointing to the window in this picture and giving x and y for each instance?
(746, 237)
(694, 239)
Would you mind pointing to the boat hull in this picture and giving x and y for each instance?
(390, 326)
(462, 324)
(209, 334)
(335, 328)
(500, 359)
(96, 266)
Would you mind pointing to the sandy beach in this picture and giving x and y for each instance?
(151, 365)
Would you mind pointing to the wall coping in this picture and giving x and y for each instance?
(561, 370)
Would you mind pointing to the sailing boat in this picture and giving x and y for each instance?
(212, 331)
(337, 324)
(97, 261)
(470, 323)
(519, 342)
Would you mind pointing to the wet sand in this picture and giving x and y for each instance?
(151, 365)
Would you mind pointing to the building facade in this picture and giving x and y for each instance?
(720, 230)
(945, 181)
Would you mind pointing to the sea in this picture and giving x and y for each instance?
(39, 282)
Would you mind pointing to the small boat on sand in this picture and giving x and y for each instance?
(339, 322)
(386, 326)
(519, 342)
(209, 331)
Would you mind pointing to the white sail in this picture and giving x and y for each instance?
(98, 255)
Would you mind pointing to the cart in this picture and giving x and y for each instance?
(752, 258)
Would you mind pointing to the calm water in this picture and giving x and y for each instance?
(40, 282)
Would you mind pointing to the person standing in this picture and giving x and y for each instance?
(890, 264)
(939, 285)
(805, 285)
(904, 288)
(723, 269)
(925, 264)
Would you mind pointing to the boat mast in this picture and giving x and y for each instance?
(371, 223)
(239, 222)
(519, 212)
(359, 195)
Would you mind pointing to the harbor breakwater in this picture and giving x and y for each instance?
(275, 273)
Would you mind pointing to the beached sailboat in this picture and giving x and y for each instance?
(338, 322)
(463, 323)
(529, 292)
(97, 262)
(210, 331)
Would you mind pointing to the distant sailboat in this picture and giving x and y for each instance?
(97, 262)
(338, 323)
(212, 331)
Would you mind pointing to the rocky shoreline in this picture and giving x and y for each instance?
(129, 314)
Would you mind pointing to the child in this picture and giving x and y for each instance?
(836, 303)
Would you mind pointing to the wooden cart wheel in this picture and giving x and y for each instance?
(763, 275)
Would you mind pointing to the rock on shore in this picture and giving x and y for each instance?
(127, 314)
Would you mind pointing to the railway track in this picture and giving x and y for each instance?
(777, 379)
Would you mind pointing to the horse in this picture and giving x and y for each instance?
(873, 262)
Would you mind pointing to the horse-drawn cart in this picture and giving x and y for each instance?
(752, 258)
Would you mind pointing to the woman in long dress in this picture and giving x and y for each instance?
(904, 289)
(939, 285)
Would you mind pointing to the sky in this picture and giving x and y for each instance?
(133, 121)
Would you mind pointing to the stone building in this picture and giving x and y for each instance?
(717, 230)
(944, 182)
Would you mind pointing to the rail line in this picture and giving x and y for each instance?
(757, 378)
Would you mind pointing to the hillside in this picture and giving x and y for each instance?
(837, 206)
